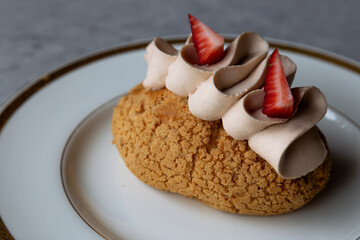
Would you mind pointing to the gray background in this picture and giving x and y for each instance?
(38, 35)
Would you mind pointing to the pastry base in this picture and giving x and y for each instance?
(168, 148)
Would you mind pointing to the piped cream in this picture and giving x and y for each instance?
(231, 90)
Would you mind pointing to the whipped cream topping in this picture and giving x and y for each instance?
(293, 147)
(231, 90)
(159, 56)
(186, 74)
(214, 97)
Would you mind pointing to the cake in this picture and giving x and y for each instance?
(205, 126)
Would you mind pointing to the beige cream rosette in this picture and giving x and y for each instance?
(231, 90)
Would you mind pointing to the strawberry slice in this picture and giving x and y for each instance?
(278, 100)
(209, 45)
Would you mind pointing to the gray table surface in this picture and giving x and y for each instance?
(38, 35)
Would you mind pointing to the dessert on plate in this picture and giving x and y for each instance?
(224, 126)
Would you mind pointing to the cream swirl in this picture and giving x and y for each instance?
(186, 74)
(231, 90)
(214, 97)
(292, 146)
(159, 56)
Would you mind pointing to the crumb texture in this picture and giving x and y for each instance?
(171, 150)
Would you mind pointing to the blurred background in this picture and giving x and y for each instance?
(37, 36)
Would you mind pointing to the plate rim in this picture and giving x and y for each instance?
(19, 97)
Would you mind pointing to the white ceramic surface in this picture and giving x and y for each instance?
(33, 203)
(118, 206)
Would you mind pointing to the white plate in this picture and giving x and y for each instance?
(33, 202)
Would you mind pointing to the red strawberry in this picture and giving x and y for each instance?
(278, 101)
(209, 45)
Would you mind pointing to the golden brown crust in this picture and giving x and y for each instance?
(168, 148)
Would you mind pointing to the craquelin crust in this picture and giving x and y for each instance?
(165, 146)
